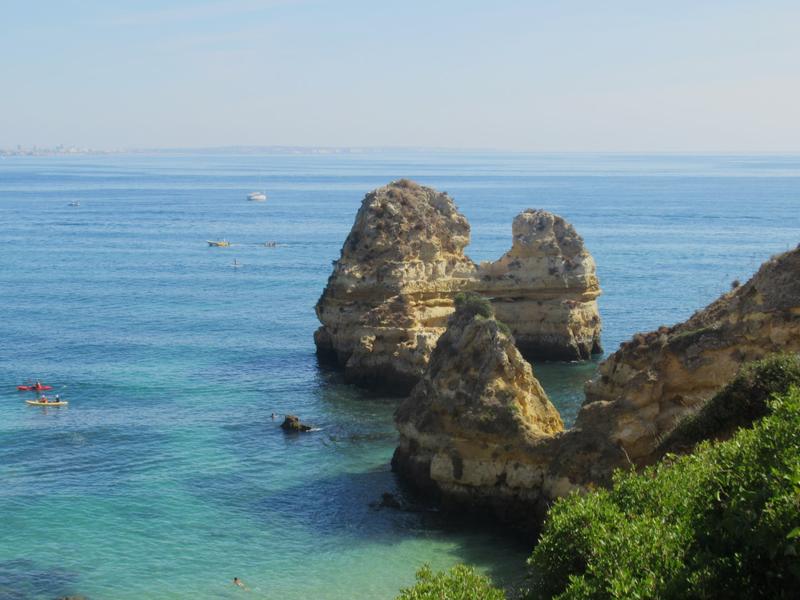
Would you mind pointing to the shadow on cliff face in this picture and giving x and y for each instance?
(380, 383)
(23, 578)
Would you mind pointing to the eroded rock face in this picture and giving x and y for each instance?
(466, 429)
(652, 381)
(391, 292)
(546, 289)
(462, 438)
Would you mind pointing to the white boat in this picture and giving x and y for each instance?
(74, 203)
(257, 196)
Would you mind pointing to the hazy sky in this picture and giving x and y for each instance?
(532, 75)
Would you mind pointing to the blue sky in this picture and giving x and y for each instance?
(529, 75)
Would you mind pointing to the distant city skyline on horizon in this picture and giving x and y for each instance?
(577, 76)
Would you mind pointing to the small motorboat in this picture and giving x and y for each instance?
(74, 203)
(46, 402)
(219, 243)
(256, 196)
(36, 387)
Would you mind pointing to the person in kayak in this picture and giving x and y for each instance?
(58, 398)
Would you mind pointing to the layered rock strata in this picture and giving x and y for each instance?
(640, 393)
(466, 429)
(390, 293)
(545, 288)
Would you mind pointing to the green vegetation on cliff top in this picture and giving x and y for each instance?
(721, 523)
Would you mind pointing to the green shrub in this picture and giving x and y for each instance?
(720, 523)
(459, 583)
(504, 328)
(471, 304)
(744, 400)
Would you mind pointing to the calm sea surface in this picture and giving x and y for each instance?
(166, 477)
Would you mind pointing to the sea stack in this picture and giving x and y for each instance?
(545, 288)
(391, 291)
(468, 427)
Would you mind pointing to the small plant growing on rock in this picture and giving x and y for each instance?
(504, 328)
(735, 284)
(472, 304)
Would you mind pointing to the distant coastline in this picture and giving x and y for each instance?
(53, 151)
(72, 150)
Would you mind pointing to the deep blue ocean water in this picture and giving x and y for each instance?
(166, 477)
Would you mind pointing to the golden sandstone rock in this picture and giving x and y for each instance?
(546, 289)
(478, 431)
(391, 291)
(467, 426)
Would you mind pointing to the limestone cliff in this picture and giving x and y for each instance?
(391, 291)
(546, 289)
(466, 428)
(652, 381)
(516, 466)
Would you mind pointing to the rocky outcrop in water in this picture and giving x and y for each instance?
(468, 426)
(546, 289)
(391, 291)
(462, 437)
(292, 424)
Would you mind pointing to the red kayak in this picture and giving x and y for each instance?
(36, 387)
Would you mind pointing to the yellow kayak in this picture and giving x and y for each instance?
(51, 403)
(219, 244)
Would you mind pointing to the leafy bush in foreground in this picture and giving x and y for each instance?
(459, 583)
(721, 523)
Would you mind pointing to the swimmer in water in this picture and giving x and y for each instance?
(238, 582)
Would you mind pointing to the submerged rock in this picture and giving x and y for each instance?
(292, 424)
(391, 291)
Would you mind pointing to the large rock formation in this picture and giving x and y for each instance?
(642, 390)
(391, 291)
(638, 396)
(546, 289)
(467, 426)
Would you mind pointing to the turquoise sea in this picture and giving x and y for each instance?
(166, 476)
